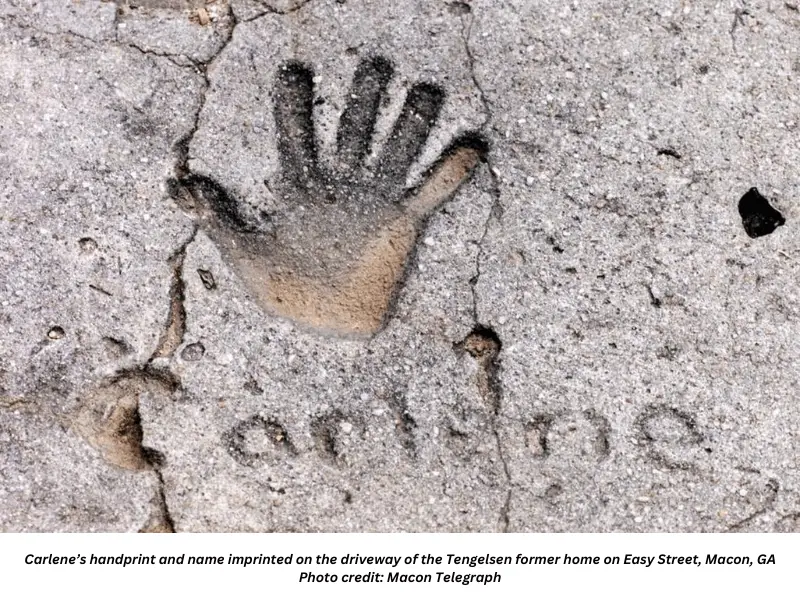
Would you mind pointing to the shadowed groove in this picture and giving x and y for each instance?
(419, 114)
(358, 119)
(293, 109)
(192, 190)
(671, 436)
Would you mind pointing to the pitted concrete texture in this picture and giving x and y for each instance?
(349, 265)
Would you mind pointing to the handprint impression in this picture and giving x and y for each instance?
(334, 261)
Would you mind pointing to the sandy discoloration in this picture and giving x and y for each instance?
(14, 401)
(353, 301)
(108, 417)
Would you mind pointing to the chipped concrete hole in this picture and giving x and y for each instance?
(336, 262)
(207, 278)
(56, 333)
(87, 245)
(484, 346)
(759, 218)
(193, 352)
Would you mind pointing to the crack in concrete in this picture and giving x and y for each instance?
(161, 521)
(115, 23)
(182, 147)
(496, 210)
(485, 346)
(172, 336)
(15, 22)
(466, 34)
(494, 394)
(773, 488)
(491, 365)
(173, 58)
(13, 401)
(271, 10)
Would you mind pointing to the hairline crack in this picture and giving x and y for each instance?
(490, 368)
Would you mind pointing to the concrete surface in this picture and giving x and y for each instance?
(350, 265)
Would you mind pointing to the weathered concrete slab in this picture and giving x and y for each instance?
(648, 359)
(446, 266)
(51, 482)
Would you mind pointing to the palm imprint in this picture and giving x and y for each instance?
(335, 258)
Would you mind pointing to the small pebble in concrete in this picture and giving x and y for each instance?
(87, 244)
(207, 277)
(55, 333)
(193, 352)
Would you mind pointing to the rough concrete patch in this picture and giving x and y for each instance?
(93, 20)
(53, 481)
(88, 259)
(197, 33)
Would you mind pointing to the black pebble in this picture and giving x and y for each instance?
(758, 217)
